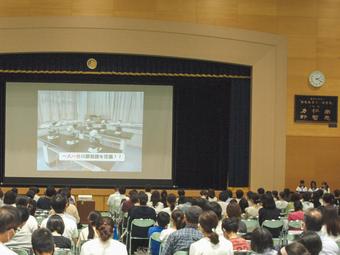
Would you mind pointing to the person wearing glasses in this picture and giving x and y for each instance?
(9, 222)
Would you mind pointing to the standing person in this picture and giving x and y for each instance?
(181, 240)
(301, 187)
(104, 245)
(211, 243)
(114, 201)
(9, 222)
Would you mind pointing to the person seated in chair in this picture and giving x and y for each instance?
(56, 225)
(42, 242)
(9, 222)
(163, 220)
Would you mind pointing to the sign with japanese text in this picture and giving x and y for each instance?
(316, 109)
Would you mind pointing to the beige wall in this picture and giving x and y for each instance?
(312, 30)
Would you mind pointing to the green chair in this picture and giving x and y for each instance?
(181, 253)
(21, 251)
(138, 223)
(275, 224)
(295, 224)
(251, 224)
(242, 252)
(63, 252)
(106, 214)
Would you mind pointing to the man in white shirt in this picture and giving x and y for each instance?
(314, 222)
(9, 222)
(115, 199)
(59, 203)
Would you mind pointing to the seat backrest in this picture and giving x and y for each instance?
(20, 251)
(181, 253)
(63, 252)
(142, 223)
(242, 252)
(272, 224)
(296, 224)
(251, 224)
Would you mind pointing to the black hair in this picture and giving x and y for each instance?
(230, 224)
(192, 214)
(202, 203)
(230, 193)
(122, 190)
(211, 193)
(260, 191)
(268, 202)
(311, 240)
(35, 189)
(55, 223)
(164, 196)
(295, 197)
(234, 209)
(15, 190)
(296, 248)
(216, 208)
(143, 198)
(313, 220)
(208, 221)
(155, 198)
(9, 218)
(181, 192)
(243, 203)
(30, 193)
(255, 198)
(302, 181)
(147, 188)
(313, 183)
(297, 205)
(331, 220)
(23, 214)
(275, 194)
(93, 217)
(239, 193)
(328, 198)
(163, 219)
(32, 206)
(223, 196)
(171, 199)
(306, 196)
(9, 197)
(50, 191)
(21, 201)
(105, 226)
(42, 241)
(177, 217)
(261, 239)
(134, 197)
(59, 203)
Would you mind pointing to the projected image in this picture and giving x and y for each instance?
(90, 131)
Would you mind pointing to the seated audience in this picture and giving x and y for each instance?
(211, 195)
(294, 249)
(269, 212)
(301, 187)
(217, 209)
(293, 197)
(281, 204)
(1, 197)
(327, 200)
(89, 232)
(10, 197)
(71, 209)
(56, 225)
(230, 227)
(262, 242)
(243, 205)
(204, 194)
(239, 195)
(177, 222)
(9, 222)
(59, 203)
(42, 242)
(313, 187)
(311, 240)
(148, 192)
(171, 201)
(298, 213)
(234, 211)
(36, 191)
(275, 195)
(131, 202)
(45, 201)
(114, 201)
(163, 220)
(181, 240)
(306, 201)
(155, 201)
(211, 243)
(331, 221)
(104, 245)
(222, 200)
(314, 222)
(164, 196)
(254, 206)
(181, 197)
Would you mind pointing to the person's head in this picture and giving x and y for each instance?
(311, 240)
(42, 242)
(261, 239)
(143, 198)
(177, 217)
(295, 197)
(164, 196)
(134, 197)
(230, 226)
(59, 203)
(181, 192)
(30, 193)
(21, 201)
(9, 197)
(201, 202)
(50, 191)
(122, 190)
(239, 193)
(208, 222)
(32, 206)
(275, 194)
(55, 224)
(255, 198)
(92, 218)
(328, 199)
(294, 248)
(324, 185)
(171, 199)
(282, 195)
(192, 214)
(104, 228)
(313, 220)
(302, 183)
(148, 188)
(337, 193)
(23, 215)
(10, 220)
(298, 206)
(216, 208)
(223, 196)
(260, 191)
(155, 198)
(332, 220)
(15, 190)
(163, 219)
(211, 193)
(313, 184)
(234, 210)
(204, 194)
(1, 194)
(306, 196)
(243, 203)
(268, 202)
(230, 193)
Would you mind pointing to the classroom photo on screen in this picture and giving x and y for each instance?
(90, 131)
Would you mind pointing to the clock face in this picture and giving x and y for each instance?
(317, 79)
